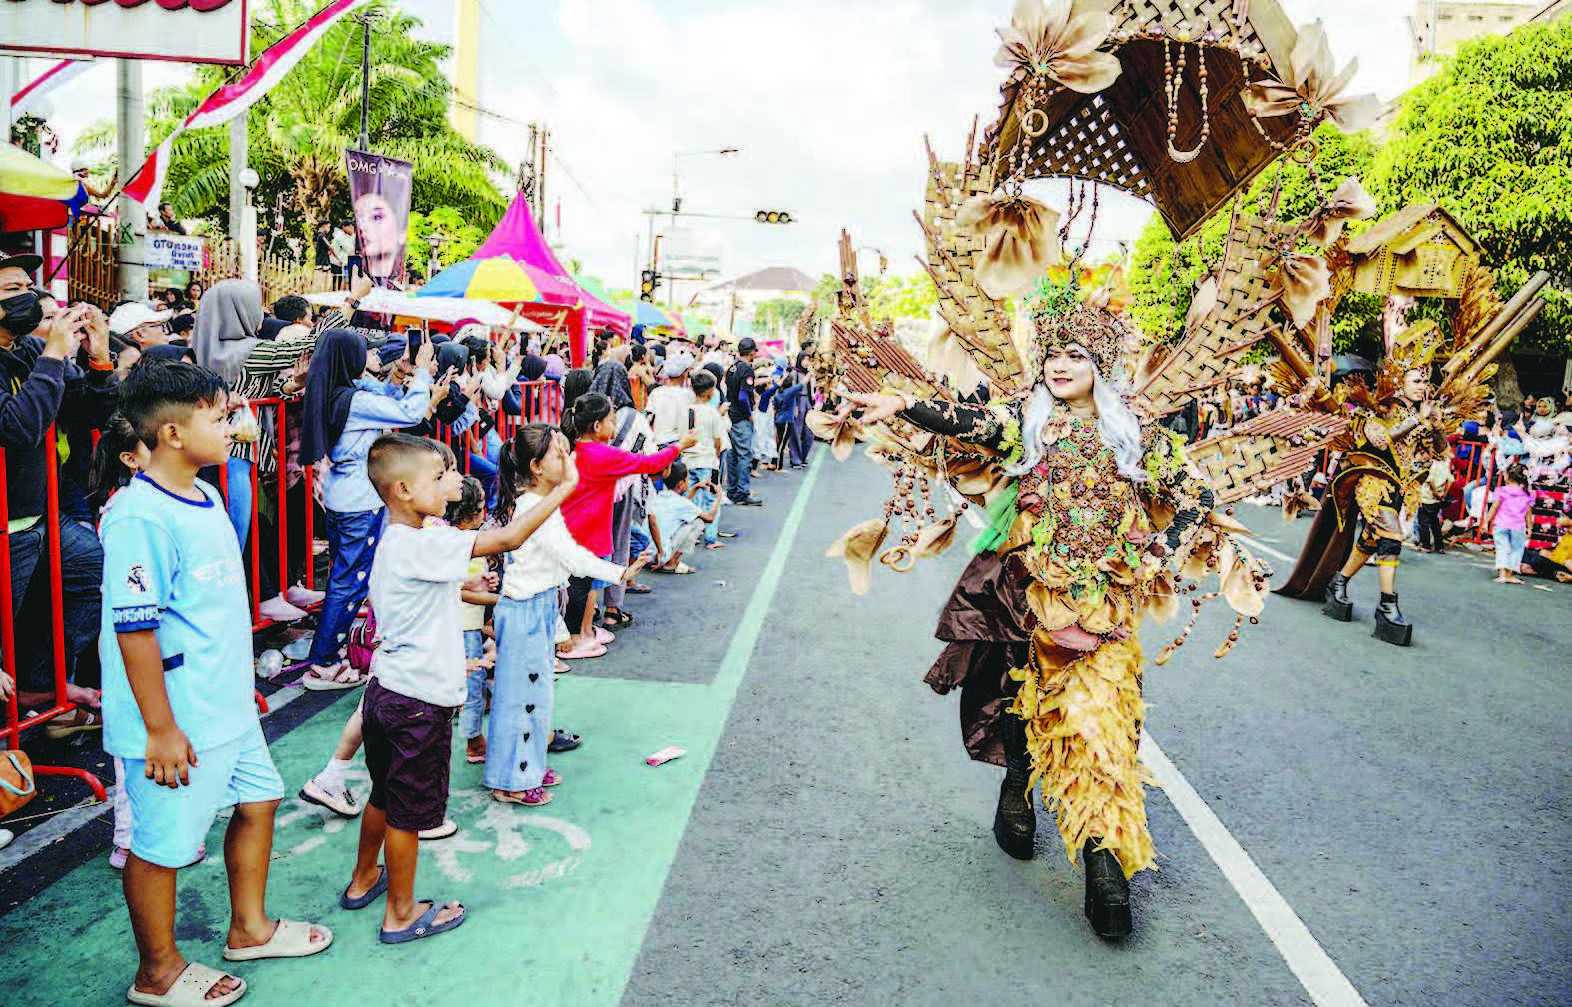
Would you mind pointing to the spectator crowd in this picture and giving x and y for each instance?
(484, 514)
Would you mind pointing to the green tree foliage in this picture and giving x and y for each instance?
(457, 239)
(892, 297)
(775, 317)
(1489, 137)
(1163, 274)
(299, 132)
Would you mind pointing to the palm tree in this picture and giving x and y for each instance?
(299, 132)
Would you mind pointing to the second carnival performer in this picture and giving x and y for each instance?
(1395, 430)
(1098, 521)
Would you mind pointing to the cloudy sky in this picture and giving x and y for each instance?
(828, 101)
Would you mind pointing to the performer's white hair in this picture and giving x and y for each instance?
(1117, 425)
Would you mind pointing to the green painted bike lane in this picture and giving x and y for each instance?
(559, 897)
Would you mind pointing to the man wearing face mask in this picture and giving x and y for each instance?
(40, 386)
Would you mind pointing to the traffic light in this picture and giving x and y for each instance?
(649, 280)
(772, 217)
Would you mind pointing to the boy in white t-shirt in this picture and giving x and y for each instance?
(668, 403)
(417, 676)
(706, 423)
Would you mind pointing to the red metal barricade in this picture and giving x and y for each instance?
(541, 402)
(13, 726)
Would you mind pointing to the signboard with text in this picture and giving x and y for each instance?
(191, 31)
(173, 251)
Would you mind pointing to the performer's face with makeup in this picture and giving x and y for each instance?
(1416, 385)
(1068, 372)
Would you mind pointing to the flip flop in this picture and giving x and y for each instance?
(424, 927)
(190, 989)
(603, 636)
(637, 588)
(291, 939)
(448, 828)
(533, 798)
(347, 901)
(551, 779)
(334, 681)
(563, 741)
(578, 654)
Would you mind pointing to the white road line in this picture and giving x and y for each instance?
(1317, 973)
(77, 816)
(1255, 543)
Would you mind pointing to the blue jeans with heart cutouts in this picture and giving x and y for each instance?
(521, 696)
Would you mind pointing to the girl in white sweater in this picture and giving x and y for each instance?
(520, 731)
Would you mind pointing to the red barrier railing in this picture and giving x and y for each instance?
(541, 401)
(11, 730)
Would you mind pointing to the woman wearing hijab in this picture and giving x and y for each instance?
(344, 415)
(226, 330)
(632, 493)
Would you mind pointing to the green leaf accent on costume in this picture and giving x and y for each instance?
(1001, 518)
(1010, 441)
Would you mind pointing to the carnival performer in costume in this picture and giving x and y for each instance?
(1095, 519)
(1396, 429)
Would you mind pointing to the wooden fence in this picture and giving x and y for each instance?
(94, 264)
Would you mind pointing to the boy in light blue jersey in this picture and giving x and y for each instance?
(178, 706)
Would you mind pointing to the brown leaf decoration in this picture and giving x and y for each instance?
(1349, 202)
(1313, 82)
(1050, 37)
(858, 547)
(1163, 603)
(840, 431)
(1220, 519)
(1303, 281)
(1238, 585)
(1020, 241)
(933, 540)
(1049, 606)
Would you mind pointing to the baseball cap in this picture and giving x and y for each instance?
(129, 316)
(27, 262)
(677, 365)
(747, 345)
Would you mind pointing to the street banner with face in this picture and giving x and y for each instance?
(379, 189)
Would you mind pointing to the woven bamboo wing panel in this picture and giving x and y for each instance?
(978, 321)
(1263, 452)
(1203, 357)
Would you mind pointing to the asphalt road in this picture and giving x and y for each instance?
(826, 841)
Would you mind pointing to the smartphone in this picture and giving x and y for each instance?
(416, 337)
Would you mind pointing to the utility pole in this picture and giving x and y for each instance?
(540, 178)
(242, 219)
(526, 183)
(365, 81)
(131, 149)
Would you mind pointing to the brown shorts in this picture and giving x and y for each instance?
(409, 748)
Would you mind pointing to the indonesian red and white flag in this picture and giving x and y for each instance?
(29, 98)
(234, 98)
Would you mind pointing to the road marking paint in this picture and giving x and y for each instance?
(1317, 973)
(1255, 543)
(68, 821)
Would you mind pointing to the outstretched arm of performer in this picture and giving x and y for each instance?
(972, 424)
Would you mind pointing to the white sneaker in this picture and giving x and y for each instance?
(276, 609)
(303, 597)
(341, 801)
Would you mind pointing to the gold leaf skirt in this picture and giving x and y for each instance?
(1083, 713)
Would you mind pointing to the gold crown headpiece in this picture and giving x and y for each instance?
(1080, 305)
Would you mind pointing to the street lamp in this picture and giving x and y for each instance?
(676, 196)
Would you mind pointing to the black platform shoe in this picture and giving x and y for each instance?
(1107, 892)
(1337, 604)
(1390, 624)
(1015, 821)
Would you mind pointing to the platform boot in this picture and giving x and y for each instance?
(1390, 624)
(1015, 822)
(1337, 604)
(1107, 892)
